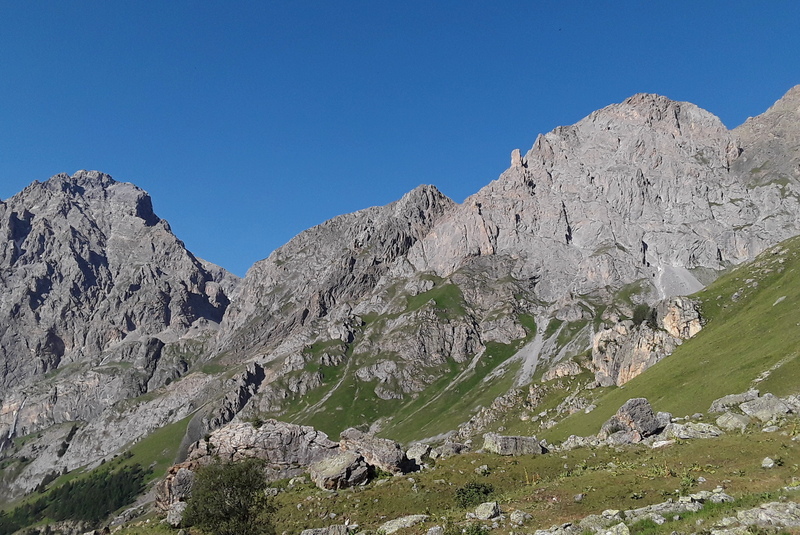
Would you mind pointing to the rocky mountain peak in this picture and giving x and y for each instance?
(87, 263)
(771, 144)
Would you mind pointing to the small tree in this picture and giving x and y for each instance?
(230, 499)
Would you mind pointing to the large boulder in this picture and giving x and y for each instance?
(767, 407)
(487, 511)
(347, 469)
(732, 400)
(379, 452)
(634, 421)
(730, 421)
(280, 444)
(511, 445)
(419, 454)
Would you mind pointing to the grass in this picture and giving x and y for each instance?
(447, 298)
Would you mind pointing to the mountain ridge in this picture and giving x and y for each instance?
(391, 316)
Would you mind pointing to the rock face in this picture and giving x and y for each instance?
(86, 264)
(626, 350)
(505, 445)
(648, 190)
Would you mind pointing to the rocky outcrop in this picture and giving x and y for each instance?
(336, 529)
(771, 515)
(626, 350)
(730, 421)
(511, 445)
(691, 430)
(286, 448)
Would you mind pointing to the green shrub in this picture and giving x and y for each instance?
(472, 494)
(230, 499)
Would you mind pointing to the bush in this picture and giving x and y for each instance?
(230, 499)
(472, 494)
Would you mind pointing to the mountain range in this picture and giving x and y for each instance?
(411, 320)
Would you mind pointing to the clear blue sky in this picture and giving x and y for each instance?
(250, 121)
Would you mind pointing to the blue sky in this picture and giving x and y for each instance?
(250, 121)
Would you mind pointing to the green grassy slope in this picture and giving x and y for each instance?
(751, 339)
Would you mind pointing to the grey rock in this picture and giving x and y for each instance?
(767, 463)
(402, 523)
(419, 453)
(519, 517)
(773, 514)
(618, 529)
(346, 469)
(635, 420)
(766, 408)
(278, 443)
(449, 449)
(381, 452)
(692, 430)
(336, 529)
(511, 445)
(733, 400)
(175, 514)
(436, 530)
(487, 511)
(730, 421)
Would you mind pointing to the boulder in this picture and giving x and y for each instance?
(635, 419)
(519, 517)
(487, 511)
(380, 452)
(692, 430)
(347, 469)
(278, 443)
(767, 407)
(730, 421)
(419, 454)
(733, 400)
(511, 445)
(401, 523)
(618, 529)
